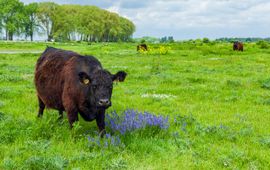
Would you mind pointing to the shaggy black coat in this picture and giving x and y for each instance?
(68, 81)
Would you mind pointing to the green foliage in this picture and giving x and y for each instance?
(63, 22)
(263, 44)
(46, 14)
(167, 39)
(242, 39)
(90, 23)
(206, 40)
(11, 17)
(31, 20)
(38, 162)
(147, 39)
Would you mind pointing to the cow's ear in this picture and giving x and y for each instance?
(84, 78)
(119, 76)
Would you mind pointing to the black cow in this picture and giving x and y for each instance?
(238, 46)
(67, 81)
(142, 47)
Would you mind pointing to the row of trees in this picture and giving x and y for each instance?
(243, 39)
(148, 39)
(166, 39)
(62, 22)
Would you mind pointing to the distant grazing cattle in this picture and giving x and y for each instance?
(238, 46)
(142, 47)
(67, 81)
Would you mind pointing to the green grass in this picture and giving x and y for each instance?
(218, 101)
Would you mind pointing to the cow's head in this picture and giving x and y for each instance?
(99, 86)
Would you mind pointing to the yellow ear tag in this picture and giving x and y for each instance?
(86, 81)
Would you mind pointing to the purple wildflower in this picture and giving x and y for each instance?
(112, 141)
(98, 142)
(118, 141)
(184, 127)
(108, 135)
(131, 120)
(106, 142)
(89, 139)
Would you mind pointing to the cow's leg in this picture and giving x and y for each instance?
(70, 107)
(100, 119)
(41, 107)
(72, 115)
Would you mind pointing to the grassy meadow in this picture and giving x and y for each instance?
(217, 100)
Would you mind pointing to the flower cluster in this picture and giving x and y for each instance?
(132, 120)
(106, 142)
(163, 50)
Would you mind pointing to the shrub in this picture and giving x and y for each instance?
(206, 40)
(263, 44)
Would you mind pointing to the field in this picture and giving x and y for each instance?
(217, 100)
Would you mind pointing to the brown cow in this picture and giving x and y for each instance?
(238, 46)
(142, 47)
(67, 81)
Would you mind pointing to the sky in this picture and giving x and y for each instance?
(189, 19)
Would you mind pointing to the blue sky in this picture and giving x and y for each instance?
(189, 19)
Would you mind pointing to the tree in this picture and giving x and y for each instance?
(46, 15)
(205, 40)
(1, 19)
(170, 39)
(63, 22)
(31, 23)
(163, 39)
(127, 28)
(11, 17)
(111, 21)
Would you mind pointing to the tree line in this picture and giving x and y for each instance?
(249, 39)
(62, 22)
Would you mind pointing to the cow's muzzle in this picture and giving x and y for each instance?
(104, 103)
